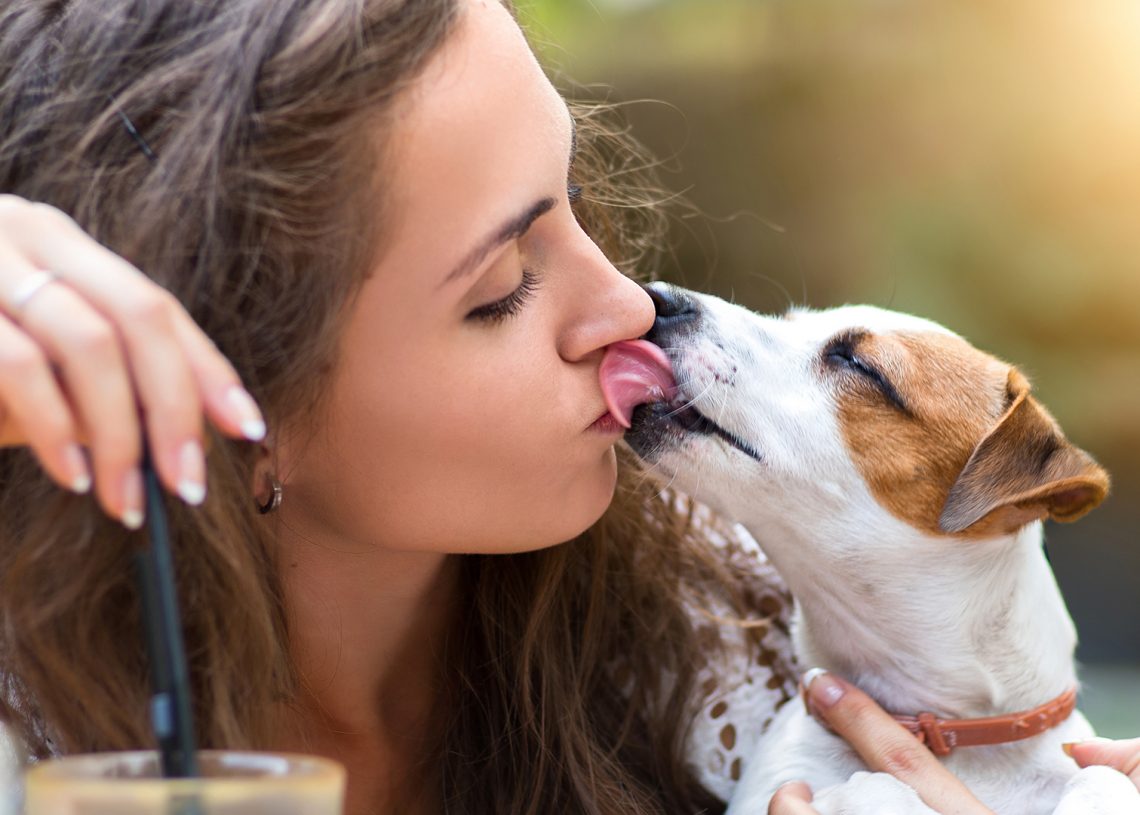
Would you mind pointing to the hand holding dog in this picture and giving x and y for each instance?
(1123, 756)
(884, 745)
(888, 748)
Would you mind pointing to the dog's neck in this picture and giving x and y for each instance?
(958, 628)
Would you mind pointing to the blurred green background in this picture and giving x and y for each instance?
(974, 162)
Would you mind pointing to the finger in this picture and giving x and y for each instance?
(138, 322)
(169, 393)
(793, 798)
(1122, 755)
(120, 291)
(96, 379)
(228, 405)
(885, 745)
(35, 410)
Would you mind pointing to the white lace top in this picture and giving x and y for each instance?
(756, 676)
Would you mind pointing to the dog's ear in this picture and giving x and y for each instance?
(1022, 471)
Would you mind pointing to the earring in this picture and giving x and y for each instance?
(274, 500)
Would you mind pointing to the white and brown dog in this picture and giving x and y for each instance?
(896, 477)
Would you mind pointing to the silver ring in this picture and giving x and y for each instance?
(28, 288)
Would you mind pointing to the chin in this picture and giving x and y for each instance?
(600, 492)
(585, 502)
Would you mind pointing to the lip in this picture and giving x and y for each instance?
(607, 425)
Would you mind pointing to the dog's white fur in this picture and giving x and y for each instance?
(921, 621)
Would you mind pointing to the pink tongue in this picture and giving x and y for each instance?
(632, 373)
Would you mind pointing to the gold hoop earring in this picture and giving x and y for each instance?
(275, 496)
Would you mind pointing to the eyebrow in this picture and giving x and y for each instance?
(515, 227)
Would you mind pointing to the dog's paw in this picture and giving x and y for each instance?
(870, 794)
(1099, 791)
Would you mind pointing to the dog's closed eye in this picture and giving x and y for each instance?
(841, 353)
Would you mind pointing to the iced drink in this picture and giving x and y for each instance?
(232, 783)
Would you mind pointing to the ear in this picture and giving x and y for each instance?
(263, 471)
(1023, 471)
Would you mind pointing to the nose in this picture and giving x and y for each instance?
(599, 304)
(676, 310)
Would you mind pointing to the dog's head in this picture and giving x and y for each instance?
(855, 409)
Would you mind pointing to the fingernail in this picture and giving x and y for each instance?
(823, 690)
(1093, 741)
(77, 471)
(192, 473)
(249, 417)
(132, 517)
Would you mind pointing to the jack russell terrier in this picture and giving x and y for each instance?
(897, 478)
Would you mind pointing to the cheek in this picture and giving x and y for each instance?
(482, 457)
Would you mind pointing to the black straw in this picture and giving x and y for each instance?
(170, 705)
(170, 710)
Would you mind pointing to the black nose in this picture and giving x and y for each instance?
(675, 307)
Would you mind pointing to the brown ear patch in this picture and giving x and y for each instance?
(1023, 470)
(956, 396)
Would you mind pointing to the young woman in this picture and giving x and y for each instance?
(419, 555)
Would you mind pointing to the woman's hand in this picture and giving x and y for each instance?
(884, 745)
(793, 798)
(89, 349)
(1123, 756)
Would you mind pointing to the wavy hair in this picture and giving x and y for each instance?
(574, 671)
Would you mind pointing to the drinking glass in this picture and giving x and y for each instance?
(232, 783)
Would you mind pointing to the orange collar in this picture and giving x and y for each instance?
(943, 735)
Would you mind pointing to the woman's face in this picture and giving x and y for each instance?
(464, 410)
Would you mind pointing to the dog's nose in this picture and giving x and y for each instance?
(675, 308)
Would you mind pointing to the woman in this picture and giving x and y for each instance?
(372, 210)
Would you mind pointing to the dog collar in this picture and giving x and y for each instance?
(943, 735)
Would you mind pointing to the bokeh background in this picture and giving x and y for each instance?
(972, 161)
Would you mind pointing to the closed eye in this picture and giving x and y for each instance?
(842, 354)
(509, 306)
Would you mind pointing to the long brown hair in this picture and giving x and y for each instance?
(247, 194)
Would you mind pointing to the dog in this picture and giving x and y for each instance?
(897, 478)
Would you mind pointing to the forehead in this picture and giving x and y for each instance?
(480, 133)
(483, 97)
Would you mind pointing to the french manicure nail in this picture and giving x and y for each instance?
(192, 473)
(78, 473)
(132, 516)
(823, 690)
(249, 417)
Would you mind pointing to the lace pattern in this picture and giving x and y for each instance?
(751, 677)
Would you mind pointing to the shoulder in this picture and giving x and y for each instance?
(748, 670)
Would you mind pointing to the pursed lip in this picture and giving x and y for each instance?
(606, 423)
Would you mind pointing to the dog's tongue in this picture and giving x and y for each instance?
(634, 372)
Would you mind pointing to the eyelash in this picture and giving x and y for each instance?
(510, 305)
(843, 355)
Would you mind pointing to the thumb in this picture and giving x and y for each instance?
(1123, 755)
(793, 798)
